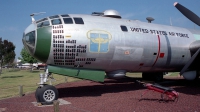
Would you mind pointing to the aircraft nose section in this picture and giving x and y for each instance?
(37, 41)
(29, 38)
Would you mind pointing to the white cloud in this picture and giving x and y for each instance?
(9, 29)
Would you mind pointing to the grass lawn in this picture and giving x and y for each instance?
(139, 75)
(174, 74)
(11, 79)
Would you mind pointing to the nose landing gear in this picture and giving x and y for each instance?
(46, 94)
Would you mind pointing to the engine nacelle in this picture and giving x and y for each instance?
(190, 75)
(116, 74)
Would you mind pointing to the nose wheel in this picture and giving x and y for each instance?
(46, 94)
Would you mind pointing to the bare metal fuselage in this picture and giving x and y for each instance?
(101, 44)
(133, 50)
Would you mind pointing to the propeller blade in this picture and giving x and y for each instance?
(189, 14)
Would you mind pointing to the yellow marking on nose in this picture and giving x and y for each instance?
(68, 36)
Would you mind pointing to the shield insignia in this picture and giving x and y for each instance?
(99, 41)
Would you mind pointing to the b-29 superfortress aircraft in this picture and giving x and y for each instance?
(90, 46)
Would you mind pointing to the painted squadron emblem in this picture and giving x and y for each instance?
(99, 41)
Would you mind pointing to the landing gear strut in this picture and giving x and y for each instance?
(46, 94)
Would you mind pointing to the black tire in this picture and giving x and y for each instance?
(146, 76)
(197, 76)
(46, 94)
(153, 76)
(158, 77)
(37, 93)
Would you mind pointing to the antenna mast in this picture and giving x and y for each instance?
(171, 21)
(35, 14)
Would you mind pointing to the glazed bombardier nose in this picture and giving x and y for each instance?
(37, 40)
(29, 38)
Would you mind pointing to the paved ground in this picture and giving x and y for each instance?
(112, 96)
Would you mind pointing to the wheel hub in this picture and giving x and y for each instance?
(49, 95)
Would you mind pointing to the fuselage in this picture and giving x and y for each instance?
(109, 44)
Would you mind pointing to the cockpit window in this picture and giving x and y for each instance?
(45, 23)
(39, 25)
(30, 38)
(68, 20)
(65, 15)
(44, 19)
(56, 21)
(52, 17)
(78, 20)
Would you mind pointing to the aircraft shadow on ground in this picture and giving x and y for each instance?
(159, 100)
(110, 86)
(183, 86)
(128, 84)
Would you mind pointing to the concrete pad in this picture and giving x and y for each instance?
(2, 109)
(61, 102)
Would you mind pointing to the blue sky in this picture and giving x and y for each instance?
(15, 14)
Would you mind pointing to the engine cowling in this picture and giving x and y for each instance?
(190, 75)
(116, 74)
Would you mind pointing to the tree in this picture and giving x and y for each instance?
(7, 52)
(21, 60)
(26, 57)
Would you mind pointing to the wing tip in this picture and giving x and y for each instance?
(175, 3)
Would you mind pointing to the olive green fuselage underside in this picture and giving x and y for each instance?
(83, 74)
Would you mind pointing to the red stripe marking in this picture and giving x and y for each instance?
(158, 51)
